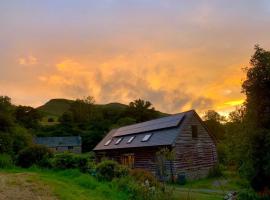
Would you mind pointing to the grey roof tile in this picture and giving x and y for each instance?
(165, 135)
(58, 141)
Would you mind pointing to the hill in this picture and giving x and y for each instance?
(56, 107)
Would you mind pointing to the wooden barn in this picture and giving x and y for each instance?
(71, 144)
(185, 133)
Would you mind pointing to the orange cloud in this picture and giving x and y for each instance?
(28, 60)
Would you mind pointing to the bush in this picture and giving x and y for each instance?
(142, 191)
(141, 175)
(251, 195)
(34, 155)
(109, 169)
(6, 161)
(71, 161)
(215, 171)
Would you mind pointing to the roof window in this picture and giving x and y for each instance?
(118, 140)
(130, 139)
(146, 137)
(108, 142)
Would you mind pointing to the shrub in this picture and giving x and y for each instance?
(141, 175)
(5, 161)
(71, 161)
(215, 171)
(251, 195)
(139, 191)
(34, 155)
(109, 169)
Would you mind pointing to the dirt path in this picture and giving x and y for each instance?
(23, 186)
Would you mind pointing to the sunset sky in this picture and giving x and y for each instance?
(180, 55)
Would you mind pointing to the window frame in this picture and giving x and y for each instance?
(147, 137)
(131, 139)
(118, 140)
(108, 142)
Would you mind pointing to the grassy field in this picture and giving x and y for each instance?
(63, 185)
(73, 185)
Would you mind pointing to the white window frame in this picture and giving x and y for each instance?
(131, 139)
(118, 141)
(108, 142)
(147, 137)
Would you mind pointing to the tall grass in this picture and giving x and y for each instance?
(6, 161)
(74, 185)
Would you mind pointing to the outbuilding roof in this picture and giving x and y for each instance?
(158, 132)
(59, 141)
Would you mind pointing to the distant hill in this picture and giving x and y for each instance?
(56, 107)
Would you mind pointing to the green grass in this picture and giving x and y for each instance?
(73, 185)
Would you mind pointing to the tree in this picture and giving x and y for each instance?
(27, 116)
(257, 119)
(6, 120)
(141, 110)
(214, 121)
(82, 110)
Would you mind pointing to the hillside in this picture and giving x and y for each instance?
(56, 107)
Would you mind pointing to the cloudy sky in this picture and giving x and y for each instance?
(177, 54)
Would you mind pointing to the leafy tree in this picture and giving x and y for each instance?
(6, 120)
(214, 122)
(141, 110)
(257, 119)
(27, 116)
(82, 110)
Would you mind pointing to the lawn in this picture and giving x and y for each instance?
(74, 185)
(64, 185)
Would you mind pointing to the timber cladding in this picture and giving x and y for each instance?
(186, 135)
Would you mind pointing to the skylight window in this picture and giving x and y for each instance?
(130, 139)
(108, 142)
(118, 140)
(146, 137)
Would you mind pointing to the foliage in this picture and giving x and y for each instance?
(257, 120)
(34, 155)
(213, 121)
(6, 161)
(72, 161)
(141, 110)
(27, 116)
(215, 171)
(142, 189)
(163, 156)
(249, 194)
(109, 169)
(142, 175)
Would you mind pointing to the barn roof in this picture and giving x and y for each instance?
(59, 141)
(162, 131)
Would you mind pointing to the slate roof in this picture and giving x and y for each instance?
(164, 132)
(59, 141)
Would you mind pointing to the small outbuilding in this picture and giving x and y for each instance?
(185, 134)
(61, 144)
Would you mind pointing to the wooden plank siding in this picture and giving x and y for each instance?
(194, 156)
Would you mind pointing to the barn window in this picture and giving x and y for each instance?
(130, 139)
(108, 142)
(194, 129)
(118, 140)
(146, 137)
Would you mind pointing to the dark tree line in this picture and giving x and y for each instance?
(244, 139)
